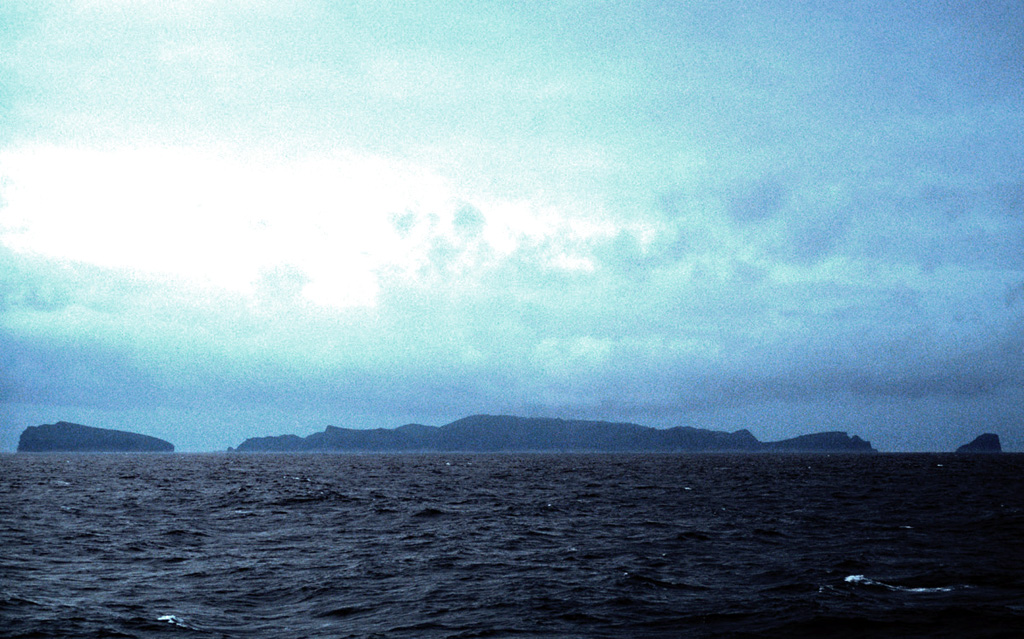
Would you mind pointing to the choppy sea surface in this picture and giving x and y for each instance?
(233, 545)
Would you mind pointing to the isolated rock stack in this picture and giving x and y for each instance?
(987, 443)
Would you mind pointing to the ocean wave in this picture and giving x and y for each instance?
(175, 620)
(867, 581)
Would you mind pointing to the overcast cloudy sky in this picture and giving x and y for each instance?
(228, 219)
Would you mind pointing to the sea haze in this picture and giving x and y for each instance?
(445, 545)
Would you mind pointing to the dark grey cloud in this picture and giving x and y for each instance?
(1010, 196)
(734, 211)
(681, 390)
(74, 372)
(1014, 294)
(937, 227)
(624, 254)
(757, 201)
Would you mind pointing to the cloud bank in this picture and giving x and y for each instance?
(224, 223)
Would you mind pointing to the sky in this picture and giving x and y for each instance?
(227, 219)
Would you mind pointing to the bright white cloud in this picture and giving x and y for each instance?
(618, 210)
(226, 220)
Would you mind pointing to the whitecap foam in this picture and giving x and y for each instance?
(175, 620)
(867, 581)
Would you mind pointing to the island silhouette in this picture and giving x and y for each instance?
(509, 433)
(68, 437)
(480, 434)
(984, 443)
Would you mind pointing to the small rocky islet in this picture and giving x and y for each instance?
(65, 437)
(984, 443)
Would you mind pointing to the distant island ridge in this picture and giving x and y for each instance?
(507, 433)
(66, 437)
(479, 434)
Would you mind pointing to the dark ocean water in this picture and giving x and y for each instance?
(531, 545)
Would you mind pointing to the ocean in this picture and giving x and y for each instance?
(532, 545)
